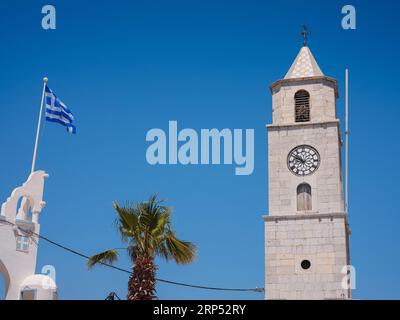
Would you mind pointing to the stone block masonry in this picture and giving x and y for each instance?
(290, 241)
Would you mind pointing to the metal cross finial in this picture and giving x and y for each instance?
(305, 34)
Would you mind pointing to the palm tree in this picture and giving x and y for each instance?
(146, 229)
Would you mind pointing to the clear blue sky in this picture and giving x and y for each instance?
(125, 67)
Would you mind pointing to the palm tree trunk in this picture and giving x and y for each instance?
(142, 282)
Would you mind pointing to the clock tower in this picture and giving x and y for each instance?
(306, 229)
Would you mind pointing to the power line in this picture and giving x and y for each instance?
(128, 271)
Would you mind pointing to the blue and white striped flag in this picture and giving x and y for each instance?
(57, 111)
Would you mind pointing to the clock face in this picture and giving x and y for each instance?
(303, 160)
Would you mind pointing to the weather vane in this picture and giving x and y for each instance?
(305, 35)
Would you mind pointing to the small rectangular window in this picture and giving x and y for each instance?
(23, 243)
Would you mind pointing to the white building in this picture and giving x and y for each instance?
(19, 230)
(307, 233)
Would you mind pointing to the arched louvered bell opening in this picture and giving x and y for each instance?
(302, 106)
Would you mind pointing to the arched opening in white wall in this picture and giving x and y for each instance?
(28, 294)
(4, 281)
(24, 206)
(2, 290)
(304, 200)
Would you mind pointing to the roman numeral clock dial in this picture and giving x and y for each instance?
(303, 160)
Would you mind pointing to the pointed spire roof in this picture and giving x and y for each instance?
(304, 65)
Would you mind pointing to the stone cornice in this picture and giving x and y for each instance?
(25, 225)
(305, 79)
(277, 218)
(301, 124)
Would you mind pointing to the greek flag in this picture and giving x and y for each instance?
(57, 111)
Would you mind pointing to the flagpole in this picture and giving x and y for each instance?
(45, 79)
(346, 132)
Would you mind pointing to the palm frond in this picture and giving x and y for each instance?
(161, 224)
(181, 251)
(128, 216)
(128, 223)
(108, 257)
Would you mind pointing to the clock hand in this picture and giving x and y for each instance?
(298, 158)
